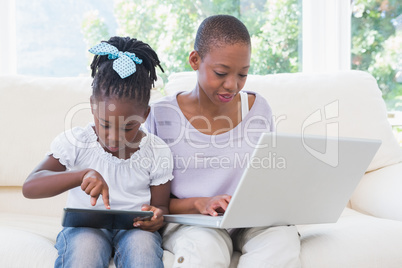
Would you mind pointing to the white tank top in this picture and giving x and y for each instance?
(244, 104)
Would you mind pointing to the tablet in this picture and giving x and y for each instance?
(104, 219)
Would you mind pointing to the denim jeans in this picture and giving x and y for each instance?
(89, 247)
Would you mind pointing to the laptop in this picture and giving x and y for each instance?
(292, 180)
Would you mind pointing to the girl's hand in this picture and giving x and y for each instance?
(155, 223)
(213, 205)
(94, 185)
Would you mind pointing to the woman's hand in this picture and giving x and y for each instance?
(155, 223)
(213, 205)
(94, 185)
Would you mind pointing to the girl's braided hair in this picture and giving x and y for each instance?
(108, 83)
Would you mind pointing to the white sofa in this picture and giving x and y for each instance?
(368, 234)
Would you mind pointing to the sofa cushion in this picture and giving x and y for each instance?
(52, 206)
(33, 118)
(356, 240)
(21, 248)
(346, 103)
(28, 241)
(35, 110)
(379, 193)
(25, 238)
(46, 227)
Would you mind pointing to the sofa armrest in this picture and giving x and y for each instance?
(379, 193)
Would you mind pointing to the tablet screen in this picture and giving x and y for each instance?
(105, 219)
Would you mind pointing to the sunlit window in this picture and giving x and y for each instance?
(53, 36)
(377, 45)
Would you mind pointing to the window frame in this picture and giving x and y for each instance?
(326, 34)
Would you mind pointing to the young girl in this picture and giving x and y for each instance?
(211, 130)
(113, 158)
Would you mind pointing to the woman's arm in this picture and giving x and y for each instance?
(50, 178)
(204, 205)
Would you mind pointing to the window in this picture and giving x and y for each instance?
(52, 37)
(377, 48)
(377, 45)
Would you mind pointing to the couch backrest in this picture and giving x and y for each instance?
(347, 103)
(33, 111)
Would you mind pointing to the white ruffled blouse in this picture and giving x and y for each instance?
(129, 180)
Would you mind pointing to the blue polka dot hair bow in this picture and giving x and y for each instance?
(124, 63)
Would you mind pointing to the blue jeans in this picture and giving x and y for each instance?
(89, 247)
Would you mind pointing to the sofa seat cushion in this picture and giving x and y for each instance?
(356, 240)
(28, 241)
(42, 226)
(25, 249)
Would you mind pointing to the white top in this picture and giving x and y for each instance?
(129, 180)
(244, 104)
(208, 165)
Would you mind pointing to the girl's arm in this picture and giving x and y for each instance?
(50, 178)
(204, 205)
(160, 197)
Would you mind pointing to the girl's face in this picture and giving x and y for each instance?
(222, 72)
(117, 123)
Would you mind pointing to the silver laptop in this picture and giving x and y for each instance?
(293, 179)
